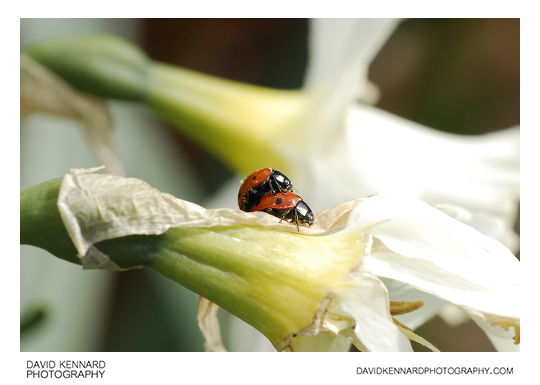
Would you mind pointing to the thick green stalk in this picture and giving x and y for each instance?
(102, 65)
(41, 224)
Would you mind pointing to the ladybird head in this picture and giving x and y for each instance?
(305, 215)
(281, 181)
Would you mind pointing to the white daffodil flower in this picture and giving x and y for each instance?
(336, 150)
(317, 289)
(347, 149)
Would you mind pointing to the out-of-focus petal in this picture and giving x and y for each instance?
(42, 91)
(340, 52)
(388, 153)
(453, 315)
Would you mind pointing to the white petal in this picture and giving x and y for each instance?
(419, 245)
(479, 173)
(366, 301)
(341, 50)
(490, 225)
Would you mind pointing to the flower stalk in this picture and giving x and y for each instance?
(41, 224)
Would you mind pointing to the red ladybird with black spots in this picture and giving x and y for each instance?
(286, 205)
(260, 183)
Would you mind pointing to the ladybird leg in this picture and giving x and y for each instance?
(270, 186)
(285, 214)
(273, 188)
(296, 218)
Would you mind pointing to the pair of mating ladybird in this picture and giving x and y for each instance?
(270, 191)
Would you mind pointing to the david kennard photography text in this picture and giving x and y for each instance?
(65, 369)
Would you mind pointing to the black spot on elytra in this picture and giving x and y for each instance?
(279, 201)
(254, 177)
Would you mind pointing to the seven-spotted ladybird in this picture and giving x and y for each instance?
(260, 183)
(286, 205)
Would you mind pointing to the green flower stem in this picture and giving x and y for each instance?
(219, 114)
(102, 65)
(41, 224)
(274, 280)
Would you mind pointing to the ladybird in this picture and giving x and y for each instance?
(286, 205)
(260, 183)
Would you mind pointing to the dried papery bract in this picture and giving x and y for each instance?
(209, 325)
